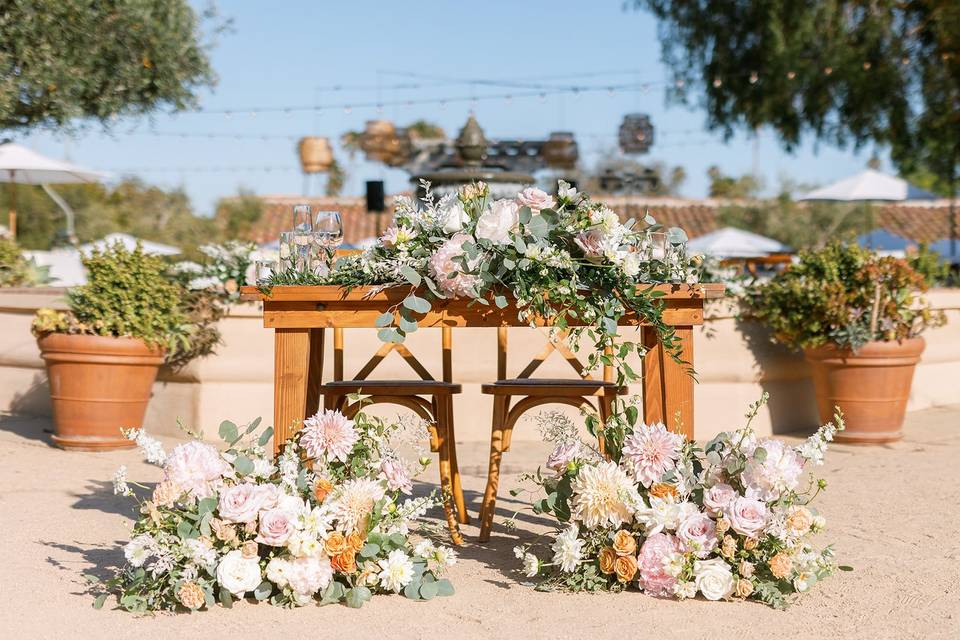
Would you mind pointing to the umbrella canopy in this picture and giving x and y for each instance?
(130, 243)
(23, 166)
(869, 185)
(730, 242)
(19, 165)
(883, 240)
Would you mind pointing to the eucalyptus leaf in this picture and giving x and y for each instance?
(428, 590)
(501, 302)
(411, 275)
(525, 215)
(408, 326)
(263, 590)
(385, 319)
(416, 304)
(98, 603)
(226, 599)
(357, 596)
(243, 465)
(412, 590)
(444, 587)
(265, 436)
(253, 425)
(228, 431)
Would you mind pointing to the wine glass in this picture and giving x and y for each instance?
(328, 231)
(302, 218)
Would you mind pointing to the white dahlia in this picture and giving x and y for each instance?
(328, 435)
(354, 502)
(603, 495)
(650, 450)
(396, 571)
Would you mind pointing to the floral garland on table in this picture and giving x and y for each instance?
(729, 521)
(327, 523)
(564, 258)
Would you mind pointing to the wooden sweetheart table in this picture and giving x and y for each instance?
(299, 314)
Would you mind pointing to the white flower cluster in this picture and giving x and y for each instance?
(150, 448)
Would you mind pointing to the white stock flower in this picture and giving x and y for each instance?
(120, 486)
(150, 448)
(568, 549)
(396, 571)
(238, 574)
(496, 223)
(603, 495)
(713, 578)
(200, 552)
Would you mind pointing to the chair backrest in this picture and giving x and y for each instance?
(405, 353)
(556, 341)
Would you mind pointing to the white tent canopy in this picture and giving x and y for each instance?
(130, 243)
(869, 185)
(730, 242)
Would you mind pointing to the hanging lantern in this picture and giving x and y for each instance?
(383, 142)
(560, 151)
(636, 133)
(316, 155)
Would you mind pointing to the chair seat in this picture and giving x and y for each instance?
(551, 387)
(391, 387)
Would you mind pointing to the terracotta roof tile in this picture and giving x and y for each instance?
(920, 222)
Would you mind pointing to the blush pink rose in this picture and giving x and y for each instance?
(448, 272)
(276, 527)
(241, 503)
(563, 455)
(654, 553)
(698, 533)
(747, 516)
(717, 497)
(535, 199)
(592, 243)
(196, 467)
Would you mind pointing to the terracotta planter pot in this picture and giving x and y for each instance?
(98, 386)
(871, 386)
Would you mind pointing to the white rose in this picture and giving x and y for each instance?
(713, 578)
(454, 218)
(496, 223)
(237, 574)
(536, 199)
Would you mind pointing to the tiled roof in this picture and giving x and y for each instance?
(917, 221)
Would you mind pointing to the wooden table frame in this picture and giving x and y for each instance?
(299, 314)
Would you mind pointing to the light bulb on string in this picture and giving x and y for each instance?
(611, 91)
(827, 71)
(866, 66)
(754, 76)
(905, 60)
(576, 92)
(287, 113)
(717, 83)
(679, 83)
(543, 97)
(443, 105)
(348, 109)
(508, 99)
(379, 108)
(253, 114)
(791, 75)
(227, 115)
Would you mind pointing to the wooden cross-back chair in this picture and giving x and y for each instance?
(429, 398)
(531, 393)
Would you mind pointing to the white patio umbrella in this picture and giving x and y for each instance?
(19, 165)
(869, 185)
(130, 243)
(730, 242)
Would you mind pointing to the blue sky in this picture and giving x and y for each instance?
(289, 53)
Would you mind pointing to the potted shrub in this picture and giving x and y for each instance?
(857, 317)
(102, 355)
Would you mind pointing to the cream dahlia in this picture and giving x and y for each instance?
(328, 435)
(354, 501)
(603, 495)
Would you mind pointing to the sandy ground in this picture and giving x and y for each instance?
(892, 513)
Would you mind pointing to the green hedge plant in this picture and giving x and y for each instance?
(127, 294)
(843, 295)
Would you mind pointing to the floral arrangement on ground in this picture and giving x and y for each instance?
(658, 513)
(565, 258)
(326, 522)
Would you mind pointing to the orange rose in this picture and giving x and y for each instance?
(780, 565)
(743, 589)
(321, 488)
(335, 544)
(607, 558)
(624, 543)
(663, 491)
(626, 568)
(799, 519)
(345, 562)
(355, 541)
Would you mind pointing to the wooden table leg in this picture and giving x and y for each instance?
(291, 352)
(668, 385)
(314, 372)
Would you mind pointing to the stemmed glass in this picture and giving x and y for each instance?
(328, 234)
(302, 218)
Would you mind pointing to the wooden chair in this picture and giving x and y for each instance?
(427, 397)
(533, 392)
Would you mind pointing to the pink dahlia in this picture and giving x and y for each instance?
(652, 562)
(448, 272)
(649, 451)
(328, 435)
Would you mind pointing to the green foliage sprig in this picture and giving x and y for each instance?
(16, 270)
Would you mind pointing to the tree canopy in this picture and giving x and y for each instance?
(845, 71)
(62, 60)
